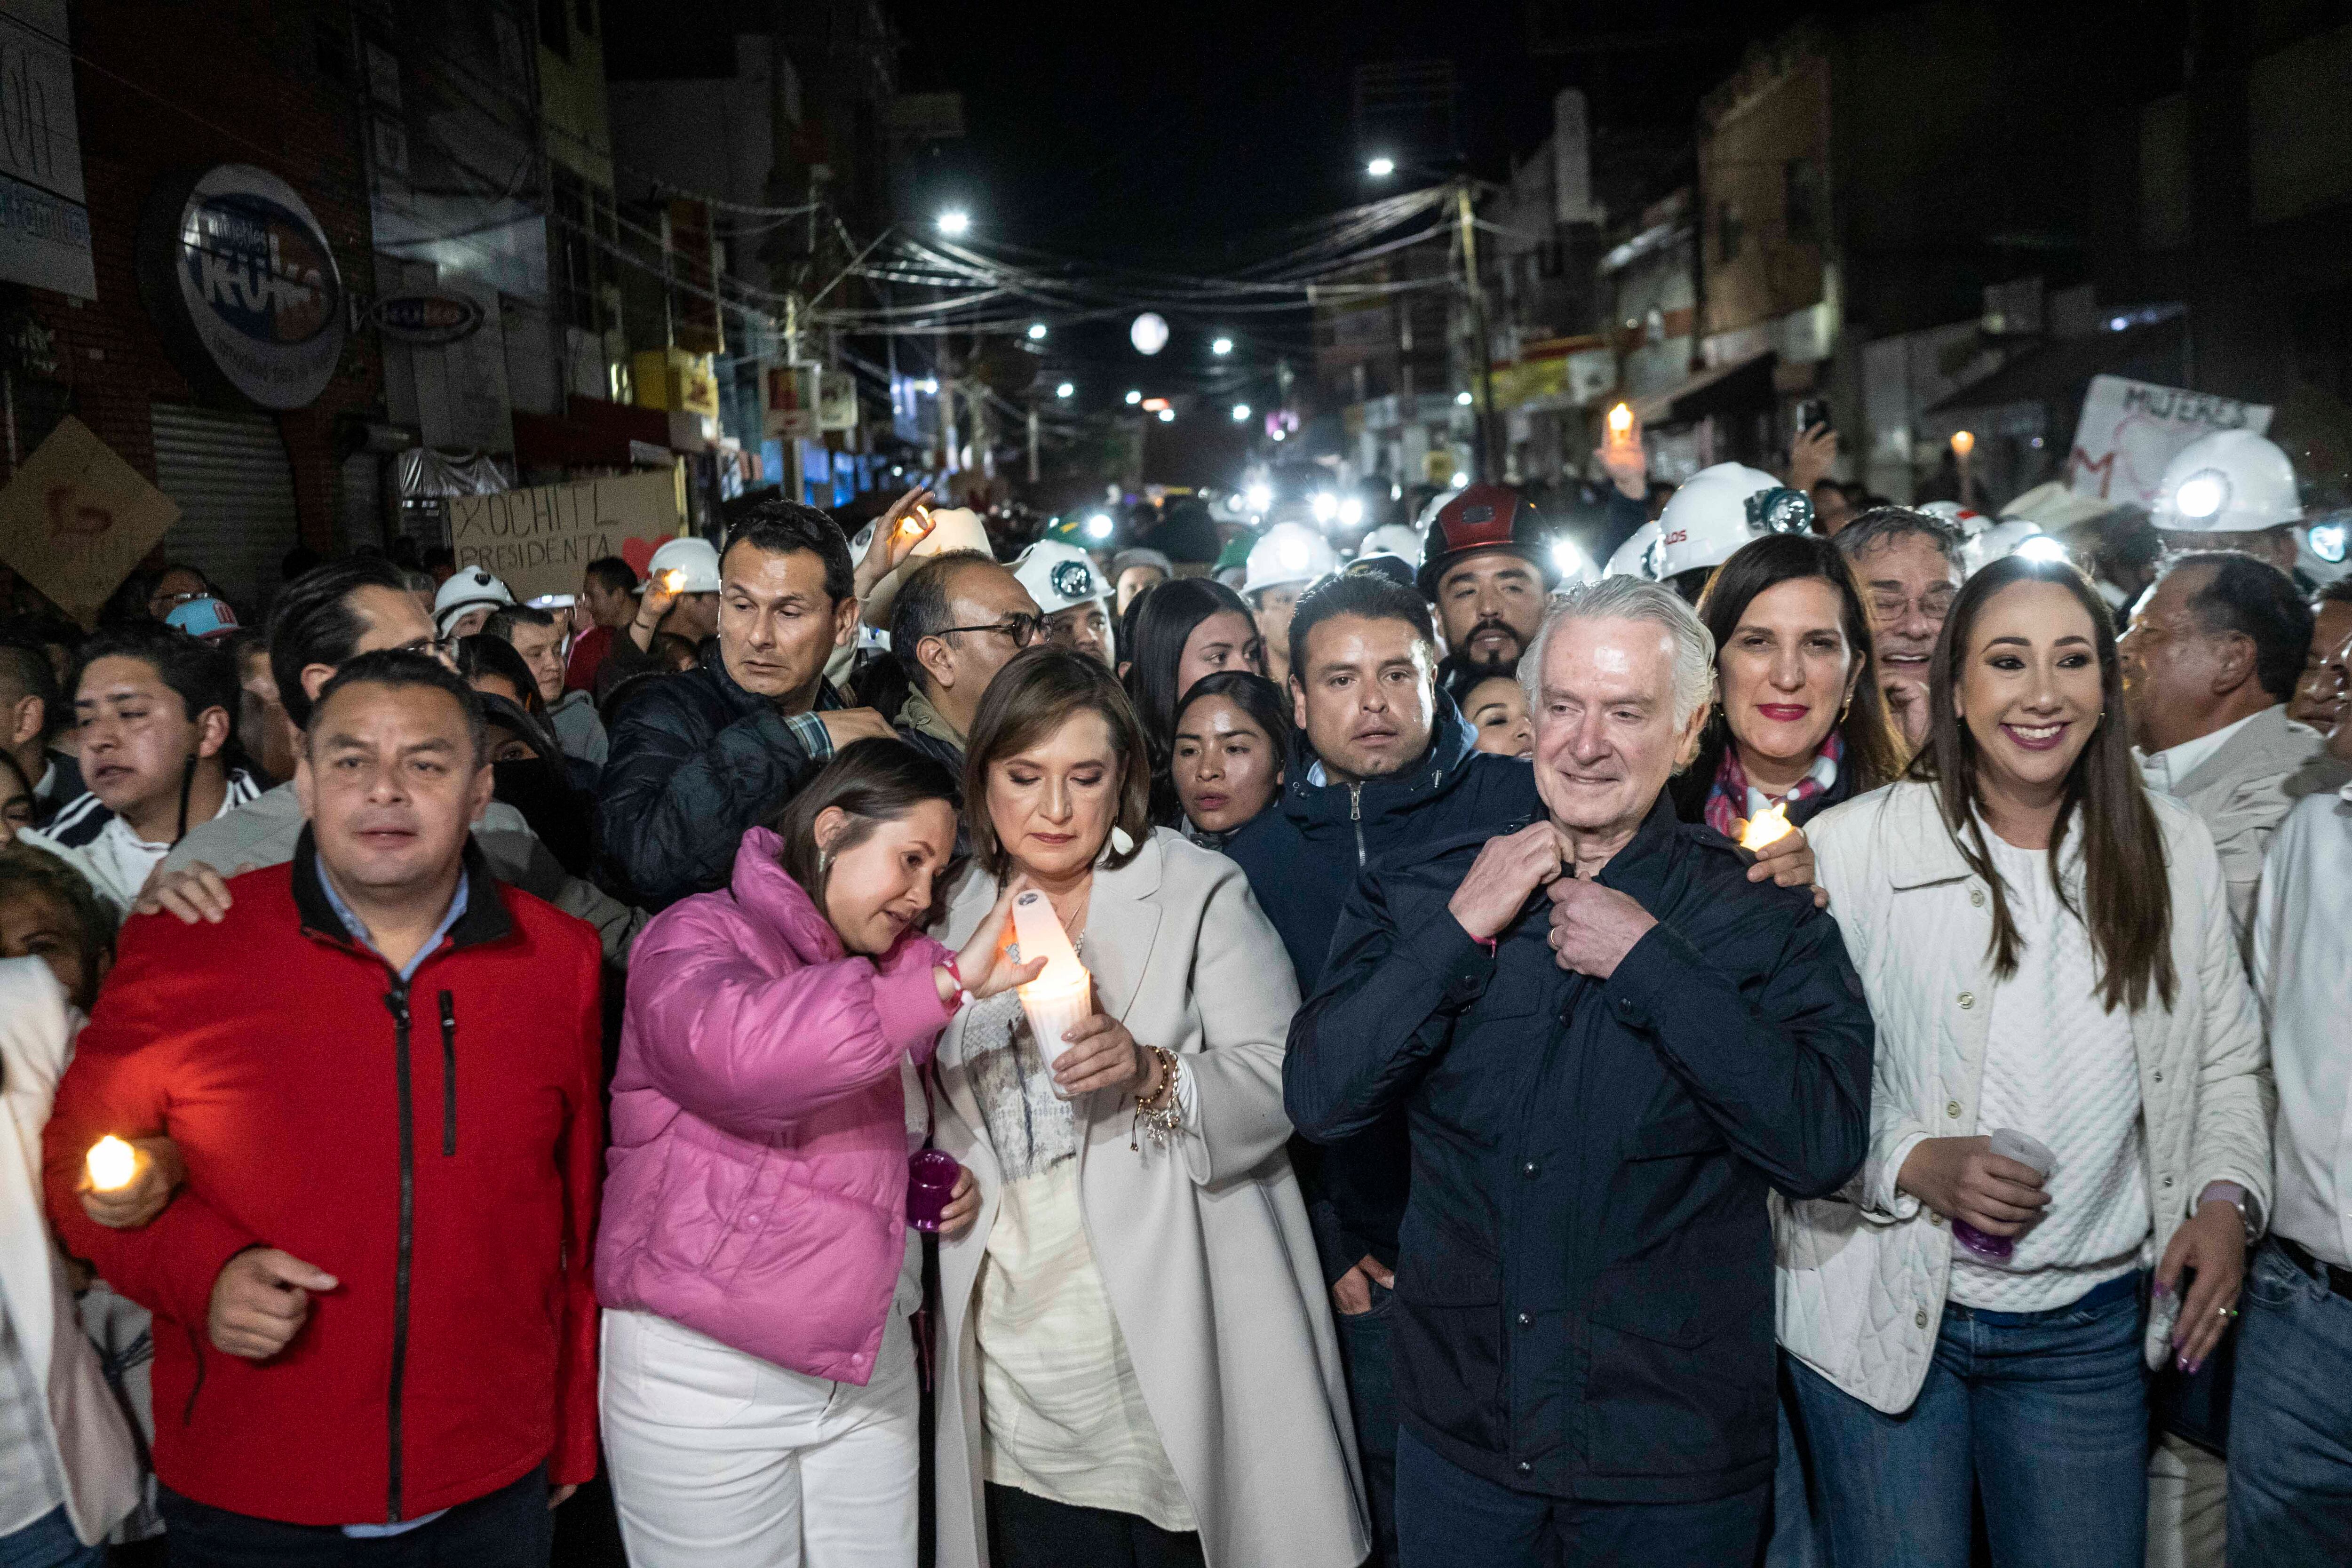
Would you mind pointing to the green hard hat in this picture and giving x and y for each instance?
(1235, 552)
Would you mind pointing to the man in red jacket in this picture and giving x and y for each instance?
(376, 1327)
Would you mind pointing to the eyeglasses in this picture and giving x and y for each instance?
(170, 602)
(1934, 603)
(1021, 628)
(443, 648)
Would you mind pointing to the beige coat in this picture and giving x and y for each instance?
(1863, 1277)
(1203, 1246)
(2242, 791)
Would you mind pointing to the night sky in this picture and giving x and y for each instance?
(1188, 136)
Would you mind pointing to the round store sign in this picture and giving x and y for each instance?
(259, 286)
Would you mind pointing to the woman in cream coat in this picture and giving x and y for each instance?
(1204, 1412)
(2111, 1022)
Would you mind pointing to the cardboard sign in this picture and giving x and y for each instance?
(538, 541)
(77, 519)
(2131, 429)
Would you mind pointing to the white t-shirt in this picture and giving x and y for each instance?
(2060, 1069)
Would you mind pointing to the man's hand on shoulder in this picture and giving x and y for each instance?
(844, 725)
(195, 893)
(1593, 927)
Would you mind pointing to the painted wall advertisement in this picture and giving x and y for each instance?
(44, 215)
(2131, 429)
(538, 541)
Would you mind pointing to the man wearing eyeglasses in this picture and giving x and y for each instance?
(956, 622)
(1909, 563)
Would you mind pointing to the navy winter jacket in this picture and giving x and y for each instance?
(1584, 1299)
(1302, 856)
(694, 760)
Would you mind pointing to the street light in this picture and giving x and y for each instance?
(1240, 412)
(1463, 398)
(1166, 415)
(1133, 397)
(1064, 390)
(1036, 331)
(955, 223)
(1221, 346)
(1380, 168)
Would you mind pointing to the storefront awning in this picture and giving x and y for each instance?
(1741, 383)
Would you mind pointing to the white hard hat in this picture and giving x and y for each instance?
(1637, 557)
(2007, 537)
(1289, 552)
(1718, 509)
(1392, 539)
(696, 561)
(468, 589)
(2232, 482)
(1059, 575)
(952, 528)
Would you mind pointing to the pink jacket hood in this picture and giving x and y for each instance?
(755, 1190)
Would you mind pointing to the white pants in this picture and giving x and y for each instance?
(2188, 1506)
(722, 1460)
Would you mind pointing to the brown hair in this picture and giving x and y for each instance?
(29, 869)
(1873, 755)
(1030, 699)
(873, 781)
(2126, 901)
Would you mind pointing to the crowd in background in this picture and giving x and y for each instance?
(1826, 1044)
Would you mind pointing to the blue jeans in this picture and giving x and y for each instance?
(1448, 1518)
(2046, 1412)
(1365, 1350)
(2291, 1427)
(49, 1543)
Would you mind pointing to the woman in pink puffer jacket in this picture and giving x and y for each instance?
(759, 1388)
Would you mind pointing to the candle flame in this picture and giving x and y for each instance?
(672, 580)
(1621, 419)
(1770, 826)
(112, 1164)
(1963, 443)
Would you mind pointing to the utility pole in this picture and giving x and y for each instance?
(1033, 440)
(1489, 463)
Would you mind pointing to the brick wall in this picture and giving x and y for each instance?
(167, 88)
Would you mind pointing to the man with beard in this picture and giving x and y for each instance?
(1486, 566)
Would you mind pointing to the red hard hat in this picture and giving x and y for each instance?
(1484, 517)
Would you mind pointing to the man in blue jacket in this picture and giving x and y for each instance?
(697, 758)
(1610, 1045)
(1383, 759)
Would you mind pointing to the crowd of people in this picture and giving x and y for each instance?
(1827, 1047)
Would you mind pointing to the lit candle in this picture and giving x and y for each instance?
(1620, 420)
(1963, 443)
(1060, 998)
(672, 580)
(913, 523)
(112, 1164)
(1769, 826)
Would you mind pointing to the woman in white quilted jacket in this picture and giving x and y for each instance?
(2047, 951)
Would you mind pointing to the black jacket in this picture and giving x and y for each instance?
(693, 759)
(1585, 1299)
(1302, 856)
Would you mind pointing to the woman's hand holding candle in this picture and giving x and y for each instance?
(1783, 855)
(127, 1185)
(896, 533)
(985, 969)
(1102, 1055)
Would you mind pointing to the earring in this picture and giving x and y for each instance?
(1847, 709)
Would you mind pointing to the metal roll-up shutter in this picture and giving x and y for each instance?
(229, 473)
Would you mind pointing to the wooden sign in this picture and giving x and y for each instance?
(77, 519)
(538, 541)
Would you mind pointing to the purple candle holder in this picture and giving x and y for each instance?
(931, 1181)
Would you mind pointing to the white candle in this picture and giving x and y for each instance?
(1061, 996)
